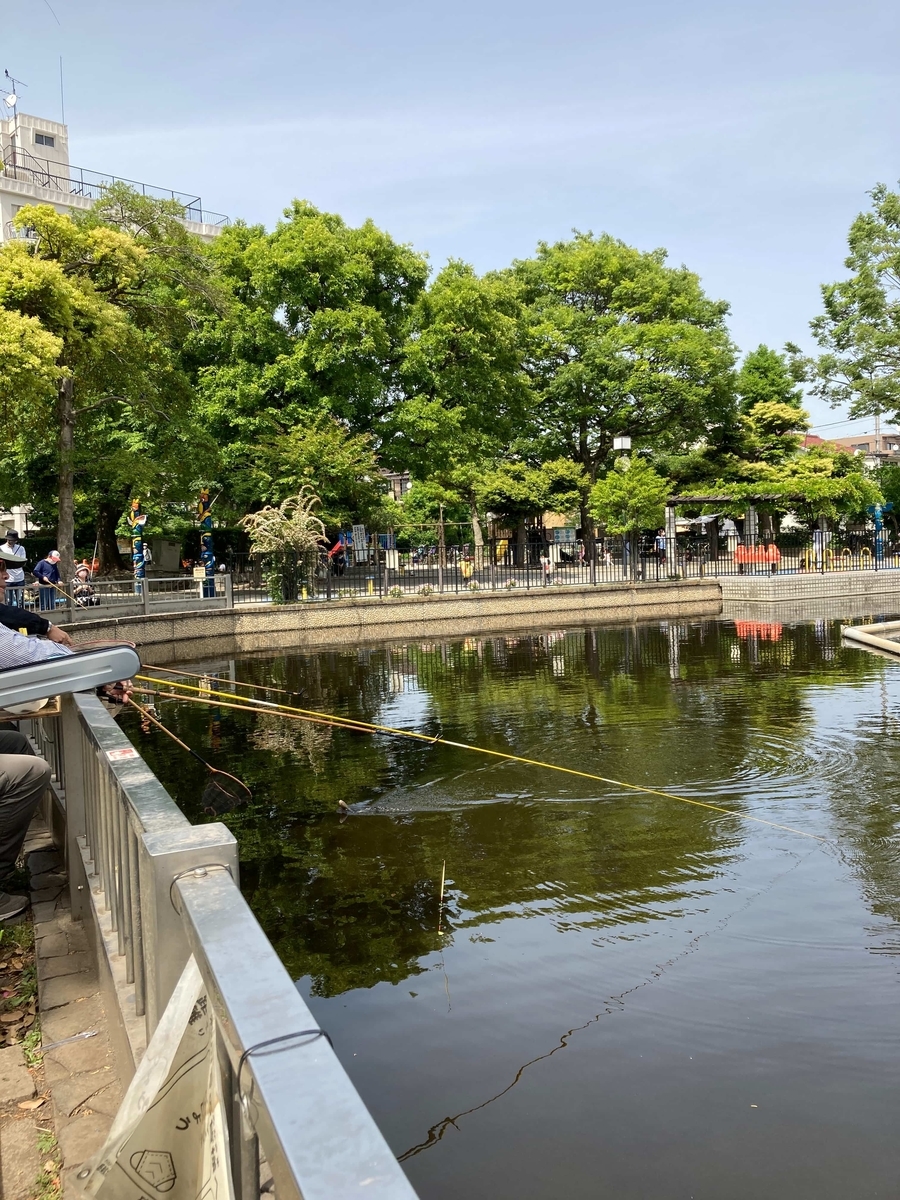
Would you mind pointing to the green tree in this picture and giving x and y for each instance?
(113, 287)
(316, 328)
(624, 345)
(466, 390)
(859, 329)
(288, 536)
(766, 377)
(517, 491)
(631, 497)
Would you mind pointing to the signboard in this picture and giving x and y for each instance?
(360, 544)
(563, 534)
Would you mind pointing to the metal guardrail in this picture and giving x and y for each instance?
(125, 598)
(171, 890)
(92, 185)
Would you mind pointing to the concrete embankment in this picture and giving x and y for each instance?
(188, 635)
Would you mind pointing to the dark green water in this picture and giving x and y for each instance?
(633, 997)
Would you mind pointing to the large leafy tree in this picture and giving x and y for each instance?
(466, 393)
(316, 329)
(859, 329)
(111, 292)
(624, 345)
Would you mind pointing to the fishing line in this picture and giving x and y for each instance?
(257, 687)
(370, 727)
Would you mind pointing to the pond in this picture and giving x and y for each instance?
(629, 996)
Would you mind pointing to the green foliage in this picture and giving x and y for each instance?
(516, 491)
(623, 345)
(859, 330)
(766, 377)
(315, 328)
(631, 497)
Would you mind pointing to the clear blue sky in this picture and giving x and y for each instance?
(742, 137)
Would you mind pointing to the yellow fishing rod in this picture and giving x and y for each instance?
(304, 714)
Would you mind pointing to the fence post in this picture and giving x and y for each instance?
(163, 858)
(73, 785)
(229, 591)
(145, 596)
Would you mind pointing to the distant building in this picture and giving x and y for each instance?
(398, 483)
(36, 170)
(876, 448)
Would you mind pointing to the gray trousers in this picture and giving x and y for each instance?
(23, 781)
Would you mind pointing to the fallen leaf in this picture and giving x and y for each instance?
(49, 1165)
(30, 1105)
(28, 1019)
(17, 964)
(8, 1018)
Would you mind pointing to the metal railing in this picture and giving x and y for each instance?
(126, 598)
(93, 185)
(502, 564)
(170, 889)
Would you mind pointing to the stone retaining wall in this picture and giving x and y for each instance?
(190, 635)
(812, 585)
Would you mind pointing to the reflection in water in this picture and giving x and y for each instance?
(566, 899)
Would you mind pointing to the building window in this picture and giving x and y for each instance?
(44, 139)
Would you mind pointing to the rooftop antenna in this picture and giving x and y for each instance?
(11, 99)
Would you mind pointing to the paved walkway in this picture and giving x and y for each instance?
(73, 1095)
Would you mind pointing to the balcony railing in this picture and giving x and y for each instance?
(93, 185)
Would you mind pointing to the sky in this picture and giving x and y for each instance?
(742, 137)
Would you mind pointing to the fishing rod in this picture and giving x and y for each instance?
(360, 726)
(258, 687)
(223, 791)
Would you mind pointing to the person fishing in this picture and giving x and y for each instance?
(83, 590)
(46, 572)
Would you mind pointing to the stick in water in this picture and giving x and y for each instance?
(441, 901)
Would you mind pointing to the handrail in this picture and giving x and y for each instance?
(171, 890)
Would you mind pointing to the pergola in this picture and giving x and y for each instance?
(675, 502)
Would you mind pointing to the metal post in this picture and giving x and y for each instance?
(76, 824)
(229, 591)
(145, 596)
(163, 857)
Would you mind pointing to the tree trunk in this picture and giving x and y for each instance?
(65, 526)
(107, 549)
(477, 536)
(587, 532)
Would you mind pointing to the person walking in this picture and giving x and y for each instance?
(15, 583)
(46, 572)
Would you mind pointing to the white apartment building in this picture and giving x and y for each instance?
(36, 170)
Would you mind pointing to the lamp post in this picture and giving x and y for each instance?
(622, 444)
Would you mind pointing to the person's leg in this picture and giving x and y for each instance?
(45, 598)
(23, 781)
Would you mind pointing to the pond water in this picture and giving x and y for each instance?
(630, 996)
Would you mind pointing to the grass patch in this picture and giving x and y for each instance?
(48, 1186)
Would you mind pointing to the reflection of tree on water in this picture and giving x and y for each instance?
(683, 707)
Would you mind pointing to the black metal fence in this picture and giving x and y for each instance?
(503, 564)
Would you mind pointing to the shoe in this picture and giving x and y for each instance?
(11, 906)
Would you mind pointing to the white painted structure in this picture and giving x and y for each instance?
(36, 170)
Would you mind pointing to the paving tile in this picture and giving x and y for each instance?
(45, 911)
(107, 1102)
(41, 861)
(66, 964)
(16, 1082)
(51, 945)
(45, 894)
(89, 1054)
(77, 936)
(67, 989)
(47, 879)
(19, 1159)
(70, 1094)
(81, 1138)
(71, 1019)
